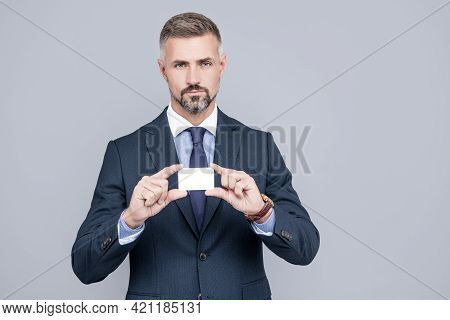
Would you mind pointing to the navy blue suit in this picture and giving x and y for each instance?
(172, 259)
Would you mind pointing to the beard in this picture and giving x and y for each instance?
(197, 103)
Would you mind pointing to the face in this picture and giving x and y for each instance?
(192, 68)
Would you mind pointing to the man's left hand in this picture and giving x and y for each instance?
(239, 190)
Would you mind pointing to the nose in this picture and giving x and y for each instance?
(193, 76)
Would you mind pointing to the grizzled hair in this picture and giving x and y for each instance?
(187, 25)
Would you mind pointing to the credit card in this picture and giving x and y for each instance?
(196, 179)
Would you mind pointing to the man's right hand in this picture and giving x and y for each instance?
(150, 196)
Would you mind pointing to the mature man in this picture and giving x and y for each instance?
(197, 244)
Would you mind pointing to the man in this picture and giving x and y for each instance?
(196, 244)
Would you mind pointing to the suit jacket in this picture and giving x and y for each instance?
(172, 259)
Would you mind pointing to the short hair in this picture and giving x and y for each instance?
(188, 25)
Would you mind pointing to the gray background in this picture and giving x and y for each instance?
(76, 74)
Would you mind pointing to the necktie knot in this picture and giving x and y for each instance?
(197, 134)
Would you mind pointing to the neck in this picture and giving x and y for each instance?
(194, 119)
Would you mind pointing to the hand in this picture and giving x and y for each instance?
(238, 189)
(150, 196)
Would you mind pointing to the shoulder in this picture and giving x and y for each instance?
(244, 129)
(132, 140)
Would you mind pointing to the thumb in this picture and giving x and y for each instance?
(175, 194)
(217, 192)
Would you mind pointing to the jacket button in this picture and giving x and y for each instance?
(105, 243)
(199, 296)
(286, 235)
(203, 256)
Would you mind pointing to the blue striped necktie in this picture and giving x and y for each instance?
(198, 160)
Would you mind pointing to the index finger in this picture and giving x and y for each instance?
(168, 171)
(218, 168)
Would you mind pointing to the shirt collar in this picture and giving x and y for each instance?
(178, 124)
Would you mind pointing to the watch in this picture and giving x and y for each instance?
(268, 204)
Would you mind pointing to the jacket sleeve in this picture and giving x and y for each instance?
(96, 251)
(295, 238)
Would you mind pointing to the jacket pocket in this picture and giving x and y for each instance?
(257, 290)
(142, 296)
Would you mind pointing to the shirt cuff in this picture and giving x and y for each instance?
(265, 228)
(127, 234)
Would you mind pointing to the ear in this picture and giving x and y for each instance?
(223, 63)
(162, 68)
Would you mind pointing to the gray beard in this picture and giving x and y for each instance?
(195, 104)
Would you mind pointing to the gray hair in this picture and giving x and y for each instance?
(187, 25)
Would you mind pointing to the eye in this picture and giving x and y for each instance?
(179, 65)
(206, 64)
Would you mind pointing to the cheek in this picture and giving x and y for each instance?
(175, 82)
(212, 80)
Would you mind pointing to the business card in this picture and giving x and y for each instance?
(196, 179)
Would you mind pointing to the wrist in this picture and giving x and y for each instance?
(129, 221)
(257, 209)
(265, 217)
(264, 213)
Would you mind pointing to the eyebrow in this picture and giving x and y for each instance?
(200, 60)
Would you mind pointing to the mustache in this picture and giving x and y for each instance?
(193, 88)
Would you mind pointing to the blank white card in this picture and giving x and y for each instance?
(196, 179)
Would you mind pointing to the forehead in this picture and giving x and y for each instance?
(191, 48)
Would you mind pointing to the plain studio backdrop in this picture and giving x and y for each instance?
(369, 80)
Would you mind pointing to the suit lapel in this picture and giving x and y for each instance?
(227, 144)
(162, 153)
